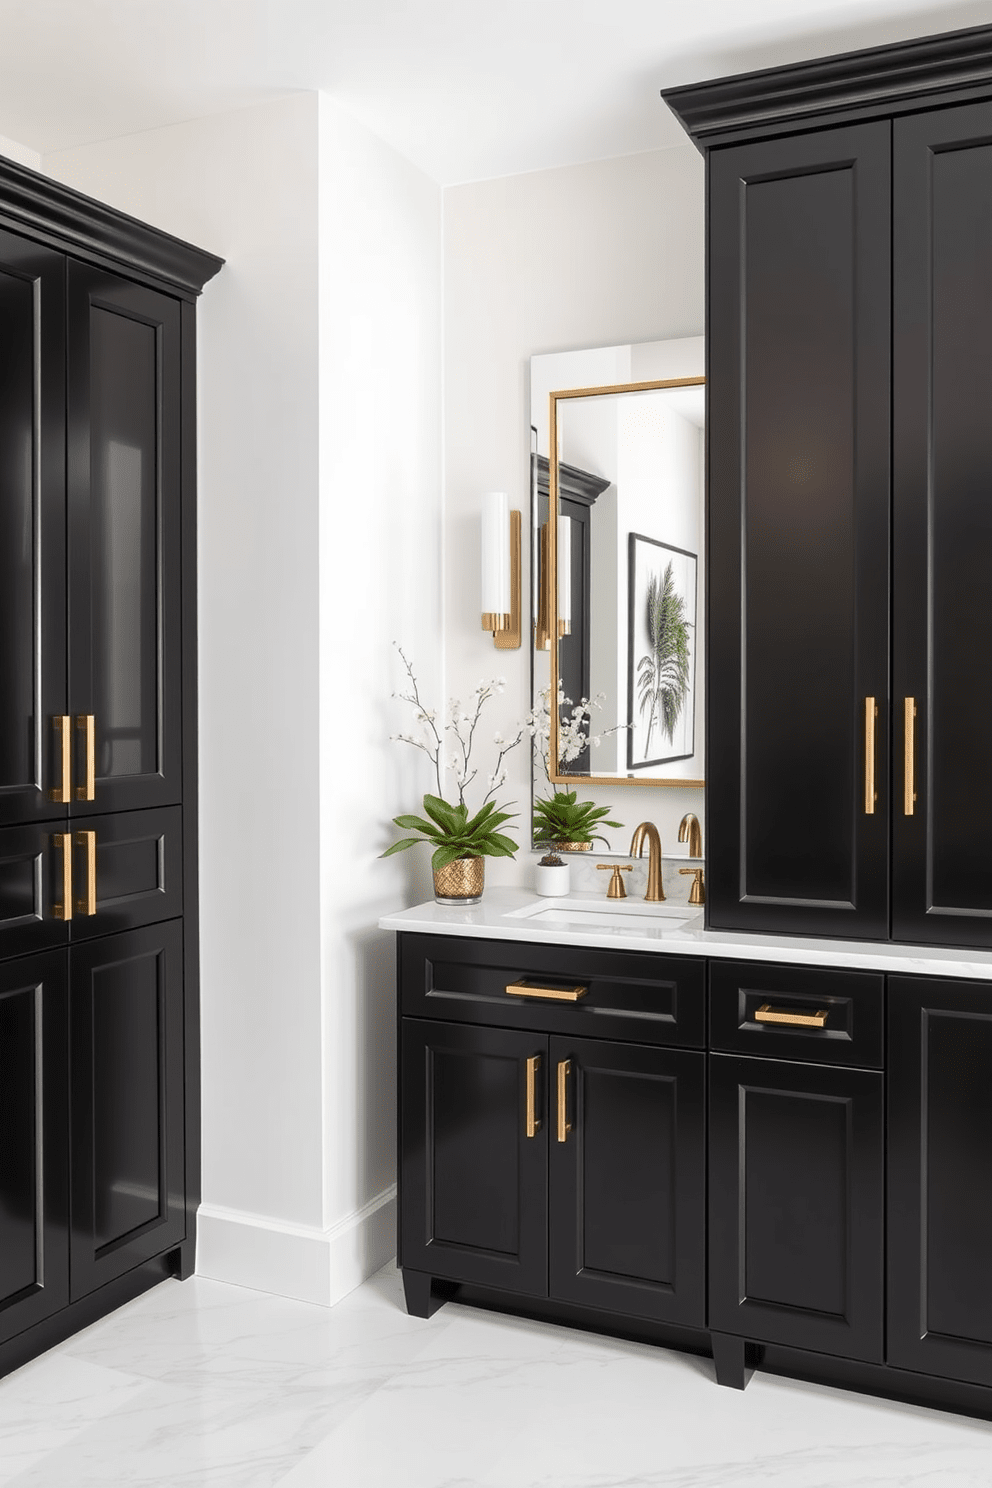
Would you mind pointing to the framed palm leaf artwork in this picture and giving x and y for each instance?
(661, 652)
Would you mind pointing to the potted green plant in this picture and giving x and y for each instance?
(461, 841)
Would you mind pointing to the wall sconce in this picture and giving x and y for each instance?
(501, 570)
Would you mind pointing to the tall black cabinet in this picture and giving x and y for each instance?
(99, 1111)
(850, 525)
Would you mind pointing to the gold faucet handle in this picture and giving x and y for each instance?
(617, 888)
(697, 894)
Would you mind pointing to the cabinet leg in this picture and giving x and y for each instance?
(729, 1357)
(417, 1291)
(182, 1260)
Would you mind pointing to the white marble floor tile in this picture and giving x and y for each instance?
(53, 1400)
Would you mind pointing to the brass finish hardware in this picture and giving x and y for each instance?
(909, 762)
(564, 1125)
(871, 713)
(616, 889)
(654, 893)
(87, 723)
(551, 994)
(697, 894)
(62, 723)
(63, 911)
(533, 1120)
(87, 840)
(690, 831)
(793, 1018)
(506, 628)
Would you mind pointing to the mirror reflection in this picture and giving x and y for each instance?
(618, 574)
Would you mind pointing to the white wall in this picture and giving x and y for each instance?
(592, 255)
(319, 366)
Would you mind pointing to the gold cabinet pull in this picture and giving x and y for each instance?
(564, 1125)
(87, 840)
(63, 911)
(62, 723)
(871, 713)
(533, 1120)
(87, 722)
(909, 768)
(792, 1017)
(550, 994)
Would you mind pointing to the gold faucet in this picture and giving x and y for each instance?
(691, 832)
(655, 893)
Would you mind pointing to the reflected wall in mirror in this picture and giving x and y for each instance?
(618, 454)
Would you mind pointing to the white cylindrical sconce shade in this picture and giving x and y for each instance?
(496, 597)
(564, 564)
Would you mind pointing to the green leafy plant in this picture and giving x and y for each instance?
(663, 674)
(453, 834)
(563, 818)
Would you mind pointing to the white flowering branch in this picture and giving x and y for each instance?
(573, 727)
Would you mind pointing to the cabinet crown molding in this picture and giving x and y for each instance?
(879, 80)
(55, 214)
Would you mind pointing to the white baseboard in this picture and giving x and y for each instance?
(298, 1261)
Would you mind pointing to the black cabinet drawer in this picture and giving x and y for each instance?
(130, 873)
(640, 999)
(747, 998)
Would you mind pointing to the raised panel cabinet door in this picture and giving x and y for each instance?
(126, 1102)
(32, 530)
(474, 1183)
(798, 500)
(34, 1167)
(796, 1205)
(627, 1158)
(123, 493)
(940, 1178)
(942, 453)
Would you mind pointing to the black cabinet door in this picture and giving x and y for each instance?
(32, 529)
(473, 1200)
(796, 1205)
(126, 1032)
(798, 530)
(123, 433)
(940, 1178)
(627, 1183)
(128, 871)
(942, 443)
(34, 1169)
(35, 870)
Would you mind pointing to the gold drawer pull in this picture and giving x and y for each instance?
(63, 911)
(871, 713)
(791, 1016)
(909, 759)
(87, 724)
(533, 1120)
(564, 1125)
(551, 994)
(87, 840)
(62, 723)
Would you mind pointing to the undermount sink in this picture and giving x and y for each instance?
(637, 917)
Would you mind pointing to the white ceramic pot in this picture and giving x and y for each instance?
(550, 879)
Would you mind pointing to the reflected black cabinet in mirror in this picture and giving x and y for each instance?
(99, 1152)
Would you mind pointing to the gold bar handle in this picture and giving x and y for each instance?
(87, 840)
(87, 722)
(564, 1125)
(63, 911)
(793, 1018)
(533, 1120)
(871, 713)
(550, 994)
(909, 765)
(62, 723)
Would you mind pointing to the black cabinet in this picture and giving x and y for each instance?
(99, 1165)
(940, 1178)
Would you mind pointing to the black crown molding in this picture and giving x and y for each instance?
(573, 484)
(60, 217)
(886, 79)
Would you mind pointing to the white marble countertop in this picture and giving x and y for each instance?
(505, 914)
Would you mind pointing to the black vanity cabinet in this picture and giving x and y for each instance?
(99, 1110)
(849, 315)
(553, 1164)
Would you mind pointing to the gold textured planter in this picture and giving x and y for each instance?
(461, 882)
(573, 847)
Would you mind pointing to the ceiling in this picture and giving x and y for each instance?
(466, 89)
